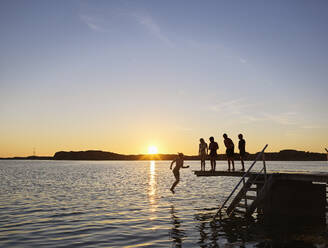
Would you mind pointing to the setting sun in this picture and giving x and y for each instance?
(152, 150)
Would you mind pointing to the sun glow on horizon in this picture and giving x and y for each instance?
(152, 150)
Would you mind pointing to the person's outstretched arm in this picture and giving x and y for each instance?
(185, 166)
(172, 164)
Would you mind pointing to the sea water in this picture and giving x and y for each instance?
(129, 204)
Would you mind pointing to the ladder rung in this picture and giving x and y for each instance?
(239, 211)
(242, 205)
(251, 197)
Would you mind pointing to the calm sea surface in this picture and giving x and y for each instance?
(128, 204)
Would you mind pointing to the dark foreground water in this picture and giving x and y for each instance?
(128, 204)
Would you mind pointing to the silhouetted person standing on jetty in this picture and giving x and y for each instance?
(176, 169)
(213, 147)
(242, 151)
(203, 150)
(230, 151)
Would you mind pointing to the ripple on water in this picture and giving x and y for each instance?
(122, 203)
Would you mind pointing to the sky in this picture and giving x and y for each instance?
(123, 75)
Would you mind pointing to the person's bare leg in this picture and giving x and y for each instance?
(214, 165)
(242, 164)
(173, 185)
(233, 164)
(228, 164)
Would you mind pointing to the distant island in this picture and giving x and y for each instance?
(284, 155)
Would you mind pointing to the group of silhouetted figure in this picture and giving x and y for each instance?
(211, 151)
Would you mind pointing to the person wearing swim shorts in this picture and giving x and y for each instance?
(176, 170)
(230, 151)
(213, 147)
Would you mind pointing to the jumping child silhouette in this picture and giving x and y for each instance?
(176, 170)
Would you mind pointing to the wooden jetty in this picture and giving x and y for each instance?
(278, 196)
(306, 176)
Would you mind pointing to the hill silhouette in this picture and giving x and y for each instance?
(101, 155)
(283, 155)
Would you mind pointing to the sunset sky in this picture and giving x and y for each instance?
(121, 76)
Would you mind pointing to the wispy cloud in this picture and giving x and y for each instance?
(247, 113)
(288, 118)
(108, 19)
(311, 127)
(153, 28)
(234, 106)
(220, 48)
(183, 129)
(251, 118)
(285, 119)
(93, 23)
(243, 61)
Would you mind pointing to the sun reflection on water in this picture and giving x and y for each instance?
(152, 187)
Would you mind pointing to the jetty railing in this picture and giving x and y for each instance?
(261, 154)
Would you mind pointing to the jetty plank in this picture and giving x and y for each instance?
(306, 176)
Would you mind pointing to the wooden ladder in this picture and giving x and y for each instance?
(236, 205)
(261, 196)
(252, 202)
(242, 200)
